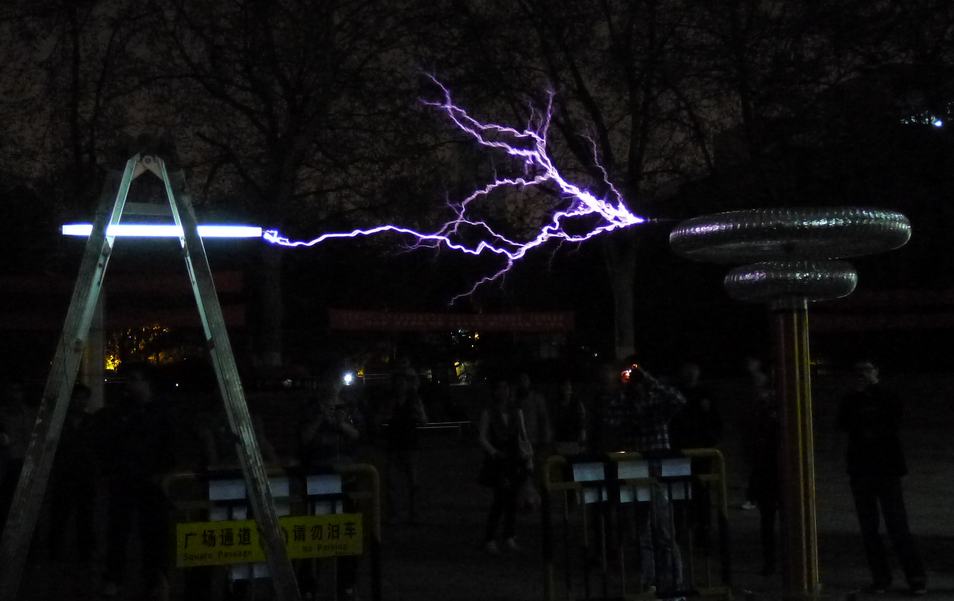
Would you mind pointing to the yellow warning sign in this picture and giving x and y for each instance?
(215, 543)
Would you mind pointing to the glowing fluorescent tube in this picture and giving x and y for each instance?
(137, 230)
(229, 231)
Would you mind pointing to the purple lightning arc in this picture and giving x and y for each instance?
(530, 147)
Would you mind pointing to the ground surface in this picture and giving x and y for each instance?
(440, 558)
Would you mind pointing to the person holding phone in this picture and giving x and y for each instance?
(639, 419)
(328, 434)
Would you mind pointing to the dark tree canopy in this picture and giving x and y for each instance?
(309, 117)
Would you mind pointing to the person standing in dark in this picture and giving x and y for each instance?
(73, 479)
(219, 442)
(136, 450)
(329, 434)
(603, 436)
(218, 449)
(535, 413)
(506, 464)
(16, 425)
(638, 419)
(536, 416)
(759, 390)
(403, 412)
(698, 425)
(569, 432)
(764, 487)
(871, 416)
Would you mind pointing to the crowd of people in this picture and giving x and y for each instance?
(130, 445)
(634, 411)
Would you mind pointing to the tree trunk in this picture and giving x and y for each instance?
(271, 324)
(620, 255)
(75, 190)
(272, 306)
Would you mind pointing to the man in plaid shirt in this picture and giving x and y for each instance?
(637, 419)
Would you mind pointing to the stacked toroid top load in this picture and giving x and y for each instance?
(791, 251)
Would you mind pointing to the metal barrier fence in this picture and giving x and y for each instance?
(332, 513)
(459, 427)
(657, 507)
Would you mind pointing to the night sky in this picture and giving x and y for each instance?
(273, 133)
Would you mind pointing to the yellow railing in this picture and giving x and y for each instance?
(557, 480)
(189, 494)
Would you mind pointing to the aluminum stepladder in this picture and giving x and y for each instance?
(69, 351)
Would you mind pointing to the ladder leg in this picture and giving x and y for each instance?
(226, 371)
(51, 415)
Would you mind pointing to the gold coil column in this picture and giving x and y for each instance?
(797, 454)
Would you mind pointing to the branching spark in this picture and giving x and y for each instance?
(528, 146)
